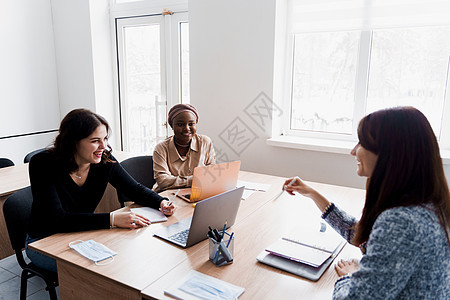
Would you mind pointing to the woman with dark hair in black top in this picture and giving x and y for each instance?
(69, 180)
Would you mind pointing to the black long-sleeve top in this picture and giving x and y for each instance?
(60, 205)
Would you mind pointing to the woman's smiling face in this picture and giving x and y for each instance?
(184, 127)
(365, 160)
(90, 149)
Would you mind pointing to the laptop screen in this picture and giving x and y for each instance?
(214, 179)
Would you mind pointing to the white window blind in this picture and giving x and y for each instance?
(340, 15)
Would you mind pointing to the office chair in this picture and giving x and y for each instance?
(30, 155)
(17, 211)
(5, 162)
(141, 169)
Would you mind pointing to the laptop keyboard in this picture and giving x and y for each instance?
(180, 237)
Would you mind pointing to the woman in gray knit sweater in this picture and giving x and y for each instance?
(404, 229)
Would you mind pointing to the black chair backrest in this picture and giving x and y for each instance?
(30, 155)
(17, 212)
(141, 169)
(5, 162)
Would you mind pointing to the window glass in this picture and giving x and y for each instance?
(409, 67)
(142, 86)
(323, 81)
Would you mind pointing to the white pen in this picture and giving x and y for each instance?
(290, 183)
(284, 188)
(173, 197)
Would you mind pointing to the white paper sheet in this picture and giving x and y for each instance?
(254, 186)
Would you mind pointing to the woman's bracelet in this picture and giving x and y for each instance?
(112, 220)
(327, 210)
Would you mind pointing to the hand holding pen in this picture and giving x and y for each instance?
(288, 183)
(297, 185)
(167, 207)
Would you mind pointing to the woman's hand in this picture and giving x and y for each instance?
(344, 267)
(297, 185)
(167, 208)
(130, 220)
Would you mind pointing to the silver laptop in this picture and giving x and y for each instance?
(212, 212)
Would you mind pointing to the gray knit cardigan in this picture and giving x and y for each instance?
(407, 256)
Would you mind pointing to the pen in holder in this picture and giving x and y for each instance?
(221, 253)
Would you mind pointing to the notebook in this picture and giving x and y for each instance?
(212, 180)
(307, 255)
(213, 212)
(152, 214)
(300, 252)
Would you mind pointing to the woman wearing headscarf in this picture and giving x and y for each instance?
(175, 158)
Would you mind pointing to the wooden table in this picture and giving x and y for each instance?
(252, 235)
(146, 265)
(15, 178)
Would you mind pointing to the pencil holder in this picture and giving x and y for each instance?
(221, 253)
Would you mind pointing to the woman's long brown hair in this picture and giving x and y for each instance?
(76, 125)
(409, 168)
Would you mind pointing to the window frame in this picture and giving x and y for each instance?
(132, 9)
(284, 136)
(170, 62)
(173, 30)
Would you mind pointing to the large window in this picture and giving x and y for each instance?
(153, 72)
(349, 58)
(324, 75)
(410, 67)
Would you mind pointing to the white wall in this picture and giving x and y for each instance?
(28, 78)
(16, 148)
(55, 56)
(103, 62)
(73, 45)
(84, 58)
